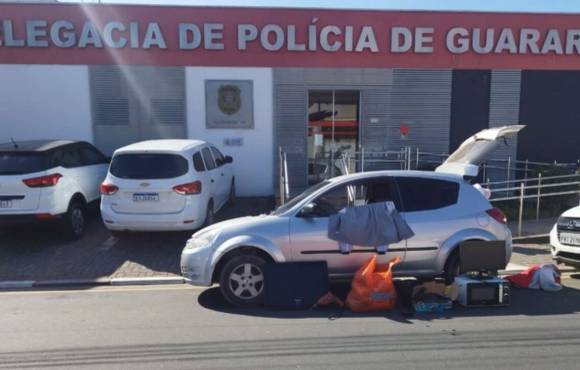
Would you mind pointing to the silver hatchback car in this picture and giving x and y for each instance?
(441, 207)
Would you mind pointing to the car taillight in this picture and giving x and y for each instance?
(497, 215)
(189, 188)
(108, 189)
(42, 181)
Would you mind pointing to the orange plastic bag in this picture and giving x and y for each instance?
(372, 287)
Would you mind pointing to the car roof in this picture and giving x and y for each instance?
(33, 145)
(398, 173)
(168, 145)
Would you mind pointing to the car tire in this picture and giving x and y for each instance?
(75, 220)
(232, 197)
(209, 214)
(242, 280)
(452, 267)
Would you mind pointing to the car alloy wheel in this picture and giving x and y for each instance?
(74, 221)
(209, 215)
(242, 280)
(246, 281)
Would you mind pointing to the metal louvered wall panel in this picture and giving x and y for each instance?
(133, 103)
(504, 109)
(421, 99)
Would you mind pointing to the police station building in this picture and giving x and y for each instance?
(312, 82)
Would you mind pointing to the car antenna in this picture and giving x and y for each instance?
(14, 142)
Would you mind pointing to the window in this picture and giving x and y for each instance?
(208, 159)
(198, 162)
(219, 158)
(149, 166)
(71, 158)
(22, 163)
(91, 156)
(422, 194)
(354, 194)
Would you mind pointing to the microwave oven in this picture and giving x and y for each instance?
(474, 291)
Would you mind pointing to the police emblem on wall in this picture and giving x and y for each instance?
(229, 104)
(229, 99)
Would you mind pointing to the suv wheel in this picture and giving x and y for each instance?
(232, 197)
(75, 220)
(242, 280)
(209, 214)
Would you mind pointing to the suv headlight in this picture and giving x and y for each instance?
(563, 221)
(201, 240)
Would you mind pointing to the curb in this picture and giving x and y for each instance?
(29, 284)
(535, 239)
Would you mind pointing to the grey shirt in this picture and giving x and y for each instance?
(373, 225)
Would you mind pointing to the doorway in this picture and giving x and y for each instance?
(333, 131)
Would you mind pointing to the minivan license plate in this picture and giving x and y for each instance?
(5, 204)
(146, 197)
(570, 239)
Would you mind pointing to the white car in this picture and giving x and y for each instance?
(565, 238)
(50, 180)
(166, 185)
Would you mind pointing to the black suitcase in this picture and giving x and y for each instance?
(295, 284)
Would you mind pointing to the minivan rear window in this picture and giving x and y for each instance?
(148, 166)
(23, 163)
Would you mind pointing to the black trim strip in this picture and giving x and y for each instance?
(11, 197)
(370, 250)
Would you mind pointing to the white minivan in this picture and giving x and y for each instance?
(165, 185)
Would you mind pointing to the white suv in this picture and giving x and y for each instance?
(165, 185)
(565, 238)
(49, 180)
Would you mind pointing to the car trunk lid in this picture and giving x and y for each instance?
(476, 149)
(15, 167)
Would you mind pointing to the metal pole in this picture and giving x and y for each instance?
(362, 160)
(509, 165)
(526, 172)
(538, 199)
(417, 161)
(286, 183)
(484, 171)
(521, 209)
(280, 175)
(409, 165)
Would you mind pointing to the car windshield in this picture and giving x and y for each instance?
(292, 202)
(22, 163)
(148, 166)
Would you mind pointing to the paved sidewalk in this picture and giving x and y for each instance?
(533, 227)
(531, 254)
(40, 254)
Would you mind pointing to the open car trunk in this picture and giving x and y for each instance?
(466, 159)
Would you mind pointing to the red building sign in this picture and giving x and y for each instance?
(204, 36)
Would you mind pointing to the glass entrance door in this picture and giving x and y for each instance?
(333, 130)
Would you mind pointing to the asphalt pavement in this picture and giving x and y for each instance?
(180, 327)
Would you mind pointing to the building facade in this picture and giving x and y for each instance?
(315, 83)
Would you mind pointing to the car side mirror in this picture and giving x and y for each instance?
(228, 159)
(309, 210)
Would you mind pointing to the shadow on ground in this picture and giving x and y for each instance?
(523, 302)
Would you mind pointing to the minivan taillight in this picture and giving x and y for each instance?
(497, 215)
(42, 181)
(189, 188)
(108, 189)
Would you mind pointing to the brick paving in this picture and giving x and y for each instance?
(38, 253)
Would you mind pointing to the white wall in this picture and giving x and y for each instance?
(44, 102)
(253, 162)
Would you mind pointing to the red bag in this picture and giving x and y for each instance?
(372, 287)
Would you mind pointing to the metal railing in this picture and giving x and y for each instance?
(535, 189)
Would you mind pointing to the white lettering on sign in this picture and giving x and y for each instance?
(315, 36)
